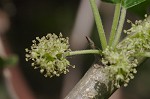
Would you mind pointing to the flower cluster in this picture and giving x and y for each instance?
(120, 64)
(49, 54)
(122, 60)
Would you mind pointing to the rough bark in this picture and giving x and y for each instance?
(94, 85)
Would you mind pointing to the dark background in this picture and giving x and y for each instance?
(32, 18)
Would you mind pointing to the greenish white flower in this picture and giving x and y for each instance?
(49, 54)
(123, 60)
(120, 65)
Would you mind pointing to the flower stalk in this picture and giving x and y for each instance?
(99, 24)
(49, 54)
(85, 52)
(120, 27)
(115, 23)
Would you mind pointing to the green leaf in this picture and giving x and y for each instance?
(125, 3)
(141, 9)
(131, 3)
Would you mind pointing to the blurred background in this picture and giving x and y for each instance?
(23, 20)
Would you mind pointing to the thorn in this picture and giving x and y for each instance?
(91, 43)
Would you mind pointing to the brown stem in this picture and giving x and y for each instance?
(94, 85)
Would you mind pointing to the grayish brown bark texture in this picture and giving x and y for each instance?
(94, 85)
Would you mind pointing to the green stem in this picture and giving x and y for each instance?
(99, 24)
(114, 24)
(85, 52)
(120, 27)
